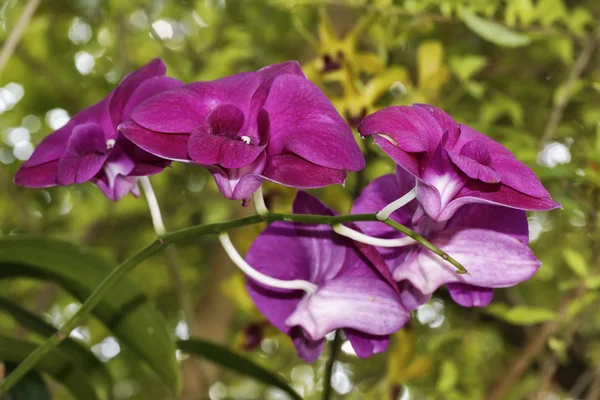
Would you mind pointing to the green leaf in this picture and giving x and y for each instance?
(448, 376)
(576, 262)
(579, 20)
(521, 315)
(56, 364)
(228, 359)
(78, 353)
(550, 11)
(32, 387)
(125, 310)
(519, 10)
(466, 65)
(494, 32)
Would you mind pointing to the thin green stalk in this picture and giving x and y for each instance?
(334, 347)
(183, 235)
(424, 242)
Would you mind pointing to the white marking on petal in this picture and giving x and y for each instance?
(246, 139)
(110, 143)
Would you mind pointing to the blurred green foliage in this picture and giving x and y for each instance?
(524, 72)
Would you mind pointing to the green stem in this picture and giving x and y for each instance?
(334, 347)
(183, 235)
(427, 244)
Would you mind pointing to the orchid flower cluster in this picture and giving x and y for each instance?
(455, 187)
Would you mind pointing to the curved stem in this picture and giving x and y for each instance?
(373, 241)
(182, 236)
(334, 350)
(259, 202)
(238, 260)
(396, 204)
(157, 221)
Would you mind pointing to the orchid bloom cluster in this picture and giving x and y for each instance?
(455, 187)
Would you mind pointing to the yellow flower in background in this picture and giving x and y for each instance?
(357, 82)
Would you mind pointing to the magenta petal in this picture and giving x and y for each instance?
(123, 92)
(413, 129)
(115, 189)
(469, 295)
(170, 146)
(265, 256)
(324, 248)
(309, 350)
(182, 110)
(518, 176)
(268, 74)
(479, 192)
(147, 89)
(174, 111)
(85, 153)
(217, 141)
(474, 160)
(408, 161)
(497, 218)
(304, 122)
(51, 148)
(379, 193)
(291, 170)
(37, 176)
(468, 134)
(239, 183)
(366, 345)
(447, 123)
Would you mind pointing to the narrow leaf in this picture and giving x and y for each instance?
(521, 315)
(576, 262)
(494, 32)
(76, 352)
(31, 387)
(56, 364)
(124, 310)
(228, 359)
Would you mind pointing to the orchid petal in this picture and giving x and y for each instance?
(291, 170)
(474, 160)
(145, 90)
(470, 296)
(84, 156)
(412, 129)
(367, 305)
(184, 109)
(493, 260)
(170, 146)
(126, 88)
(304, 122)
(365, 345)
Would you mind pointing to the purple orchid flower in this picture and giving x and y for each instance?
(271, 124)
(350, 292)
(489, 240)
(454, 164)
(90, 148)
